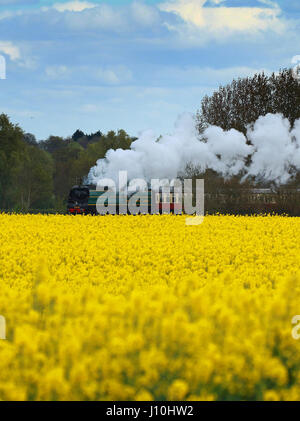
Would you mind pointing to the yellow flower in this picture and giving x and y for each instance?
(143, 395)
(148, 308)
(178, 390)
(271, 395)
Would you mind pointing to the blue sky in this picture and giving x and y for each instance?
(133, 64)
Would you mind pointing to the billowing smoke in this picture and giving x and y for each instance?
(277, 148)
(274, 151)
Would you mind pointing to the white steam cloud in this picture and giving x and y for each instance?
(277, 148)
(275, 152)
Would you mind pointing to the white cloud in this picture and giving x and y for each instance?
(10, 49)
(270, 3)
(114, 75)
(107, 76)
(56, 72)
(102, 17)
(128, 18)
(204, 76)
(217, 1)
(92, 108)
(73, 6)
(143, 14)
(220, 20)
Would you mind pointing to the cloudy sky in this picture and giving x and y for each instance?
(109, 64)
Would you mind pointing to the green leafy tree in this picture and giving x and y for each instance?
(53, 144)
(64, 160)
(12, 147)
(35, 180)
(242, 102)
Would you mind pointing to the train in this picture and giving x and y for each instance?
(83, 200)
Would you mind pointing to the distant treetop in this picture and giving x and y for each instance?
(243, 101)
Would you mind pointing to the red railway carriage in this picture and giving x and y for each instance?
(168, 202)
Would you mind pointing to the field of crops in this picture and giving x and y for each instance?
(146, 307)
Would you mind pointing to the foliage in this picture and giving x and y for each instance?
(40, 174)
(242, 102)
(11, 151)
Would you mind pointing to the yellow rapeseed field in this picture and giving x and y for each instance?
(145, 307)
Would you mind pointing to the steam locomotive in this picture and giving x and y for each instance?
(83, 200)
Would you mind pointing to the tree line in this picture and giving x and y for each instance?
(37, 175)
(244, 100)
